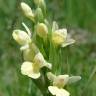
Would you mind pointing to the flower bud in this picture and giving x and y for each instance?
(21, 37)
(41, 62)
(27, 68)
(41, 4)
(42, 30)
(39, 15)
(59, 36)
(27, 11)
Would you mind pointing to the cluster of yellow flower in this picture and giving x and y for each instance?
(33, 58)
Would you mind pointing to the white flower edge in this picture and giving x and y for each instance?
(58, 91)
(68, 41)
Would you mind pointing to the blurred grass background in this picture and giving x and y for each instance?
(79, 16)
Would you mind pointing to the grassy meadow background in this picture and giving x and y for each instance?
(79, 16)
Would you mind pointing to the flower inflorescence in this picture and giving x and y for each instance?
(34, 59)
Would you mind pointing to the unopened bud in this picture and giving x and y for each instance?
(42, 30)
(21, 37)
(41, 4)
(39, 15)
(27, 11)
(29, 53)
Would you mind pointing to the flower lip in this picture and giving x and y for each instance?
(32, 69)
(58, 91)
(27, 68)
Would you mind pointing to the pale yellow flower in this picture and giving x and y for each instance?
(61, 80)
(21, 37)
(32, 69)
(27, 11)
(42, 30)
(68, 41)
(60, 37)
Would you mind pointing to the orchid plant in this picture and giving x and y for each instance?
(36, 64)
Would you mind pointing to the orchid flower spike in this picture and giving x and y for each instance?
(32, 69)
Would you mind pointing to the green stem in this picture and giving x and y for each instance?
(42, 83)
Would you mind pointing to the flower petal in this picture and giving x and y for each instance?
(68, 41)
(27, 11)
(51, 76)
(58, 92)
(61, 80)
(54, 26)
(53, 90)
(42, 30)
(39, 59)
(59, 36)
(34, 75)
(48, 65)
(63, 92)
(74, 79)
(27, 68)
